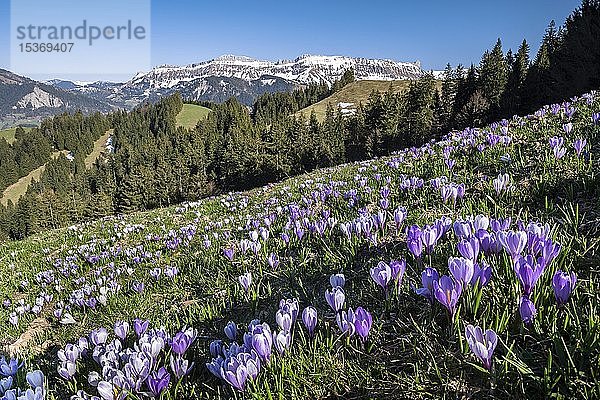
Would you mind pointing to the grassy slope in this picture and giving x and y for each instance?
(412, 352)
(355, 92)
(19, 188)
(191, 114)
(9, 134)
(99, 148)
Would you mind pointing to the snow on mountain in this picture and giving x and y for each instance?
(242, 77)
(305, 69)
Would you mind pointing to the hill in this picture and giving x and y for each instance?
(25, 100)
(190, 114)
(351, 95)
(469, 207)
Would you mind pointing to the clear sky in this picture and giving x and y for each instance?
(434, 32)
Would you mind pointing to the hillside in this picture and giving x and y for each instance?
(15, 191)
(23, 100)
(522, 192)
(190, 114)
(9, 134)
(350, 96)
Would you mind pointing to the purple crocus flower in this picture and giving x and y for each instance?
(527, 310)
(180, 366)
(9, 368)
(337, 280)
(428, 277)
(273, 260)
(559, 152)
(231, 330)
(362, 322)
(556, 141)
(229, 252)
(106, 390)
(158, 381)
(181, 342)
(563, 285)
(447, 292)
(234, 372)
(500, 224)
(138, 286)
(309, 317)
(346, 321)
(335, 298)
(529, 271)
(513, 242)
(67, 370)
(382, 275)
(282, 341)
(469, 248)
(596, 118)
(579, 144)
(415, 246)
(121, 329)
(399, 216)
(262, 341)
(482, 344)
(284, 319)
(98, 336)
(252, 363)
(245, 280)
(140, 326)
(482, 274)
(35, 379)
(430, 236)
(216, 348)
(398, 268)
(461, 269)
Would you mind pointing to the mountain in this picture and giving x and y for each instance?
(23, 100)
(242, 77)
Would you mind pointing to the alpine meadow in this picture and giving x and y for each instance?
(327, 227)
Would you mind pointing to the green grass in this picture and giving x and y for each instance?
(9, 134)
(99, 148)
(415, 350)
(190, 115)
(356, 92)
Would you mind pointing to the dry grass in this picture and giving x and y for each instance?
(99, 148)
(355, 92)
(19, 188)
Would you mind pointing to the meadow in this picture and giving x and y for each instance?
(190, 115)
(352, 95)
(464, 268)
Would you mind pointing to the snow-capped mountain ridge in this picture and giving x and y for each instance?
(305, 69)
(242, 77)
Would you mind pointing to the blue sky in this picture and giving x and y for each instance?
(434, 32)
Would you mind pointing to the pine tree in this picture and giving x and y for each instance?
(513, 95)
(492, 78)
(447, 97)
